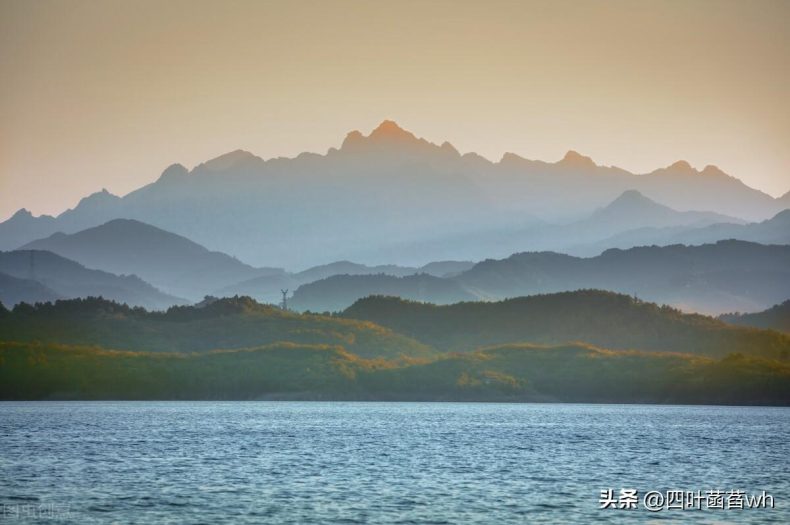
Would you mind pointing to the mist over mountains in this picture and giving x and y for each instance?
(449, 277)
(170, 262)
(712, 278)
(33, 275)
(384, 197)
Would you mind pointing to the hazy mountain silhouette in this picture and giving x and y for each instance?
(627, 215)
(67, 279)
(14, 290)
(170, 262)
(775, 230)
(638, 211)
(630, 211)
(714, 278)
(268, 288)
(23, 227)
(776, 318)
(382, 198)
(351, 268)
(340, 291)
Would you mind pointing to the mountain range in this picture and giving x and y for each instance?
(34, 275)
(775, 318)
(168, 261)
(526, 349)
(186, 269)
(775, 230)
(384, 197)
(165, 269)
(713, 278)
(268, 287)
(604, 319)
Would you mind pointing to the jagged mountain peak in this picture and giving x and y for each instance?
(352, 138)
(229, 160)
(449, 148)
(389, 135)
(511, 158)
(632, 203)
(22, 213)
(173, 172)
(389, 130)
(632, 196)
(681, 165)
(573, 159)
(99, 198)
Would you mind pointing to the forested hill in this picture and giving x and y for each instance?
(239, 349)
(775, 318)
(237, 322)
(604, 319)
(568, 373)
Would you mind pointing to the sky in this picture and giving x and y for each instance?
(108, 94)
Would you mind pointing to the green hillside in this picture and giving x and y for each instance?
(775, 318)
(226, 323)
(582, 373)
(605, 319)
(516, 350)
(571, 373)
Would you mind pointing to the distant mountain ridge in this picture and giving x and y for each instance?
(775, 318)
(38, 274)
(268, 288)
(376, 193)
(170, 262)
(337, 292)
(775, 230)
(712, 278)
(14, 290)
(632, 206)
(176, 265)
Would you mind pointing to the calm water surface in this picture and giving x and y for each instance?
(293, 462)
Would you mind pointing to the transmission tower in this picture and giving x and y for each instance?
(285, 298)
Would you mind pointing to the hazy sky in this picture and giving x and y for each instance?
(106, 94)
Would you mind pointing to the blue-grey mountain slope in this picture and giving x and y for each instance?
(713, 278)
(379, 198)
(268, 288)
(14, 290)
(775, 230)
(69, 279)
(170, 262)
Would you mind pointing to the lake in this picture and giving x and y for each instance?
(312, 462)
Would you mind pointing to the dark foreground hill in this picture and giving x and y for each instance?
(239, 349)
(775, 318)
(222, 324)
(601, 318)
(571, 373)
